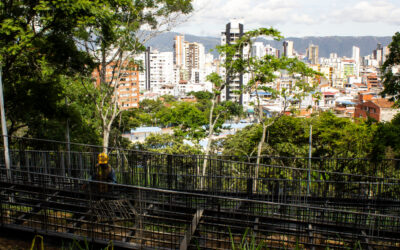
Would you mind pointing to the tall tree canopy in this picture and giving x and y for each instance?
(114, 36)
(391, 71)
(262, 72)
(48, 46)
(37, 50)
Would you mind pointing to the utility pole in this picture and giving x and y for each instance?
(4, 129)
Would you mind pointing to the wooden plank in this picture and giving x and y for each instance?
(193, 226)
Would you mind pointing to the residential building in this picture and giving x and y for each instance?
(159, 70)
(378, 54)
(356, 54)
(125, 79)
(269, 50)
(194, 57)
(312, 54)
(288, 49)
(379, 109)
(258, 50)
(141, 133)
(349, 68)
(179, 51)
(233, 31)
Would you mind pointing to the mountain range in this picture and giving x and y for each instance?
(342, 45)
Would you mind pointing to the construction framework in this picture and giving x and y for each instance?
(158, 202)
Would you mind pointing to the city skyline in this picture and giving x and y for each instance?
(297, 19)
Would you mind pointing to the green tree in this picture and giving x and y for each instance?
(37, 52)
(263, 72)
(287, 137)
(342, 138)
(168, 98)
(114, 36)
(168, 144)
(390, 79)
(386, 142)
(202, 95)
(218, 113)
(242, 143)
(187, 119)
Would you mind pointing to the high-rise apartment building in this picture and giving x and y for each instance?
(189, 59)
(312, 54)
(126, 82)
(258, 50)
(386, 52)
(269, 50)
(356, 54)
(378, 54)
(288, 49)
(179, 51)
(159, 69)
(194, 57)
(233, 31)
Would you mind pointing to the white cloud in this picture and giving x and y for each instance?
(369, 12)
(333, 17)
(255, 13)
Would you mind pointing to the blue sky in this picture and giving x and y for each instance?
(297, 17)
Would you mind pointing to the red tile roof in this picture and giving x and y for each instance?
(383, 103)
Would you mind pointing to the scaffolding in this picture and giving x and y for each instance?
(158, 202)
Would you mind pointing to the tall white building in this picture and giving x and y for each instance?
(258, 50)
(179, 51)
(269, 50)
(379, 54)
(189, 60)
(288, 49)
(312, 54)
(233, 31)
(194, 57)
(356, 54)
(356, 58)
(159, 69)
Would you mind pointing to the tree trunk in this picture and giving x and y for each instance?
(106, 137)
(259, 150)
(206, 153)
(211, 125)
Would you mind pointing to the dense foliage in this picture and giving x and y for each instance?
(49, 48)
(37, 55)
(332, 137)
(391, 78)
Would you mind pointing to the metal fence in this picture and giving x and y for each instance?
(148, 218)
(279, 178)
(163, 201)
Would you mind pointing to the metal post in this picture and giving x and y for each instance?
(68, 143)
(4, 129)
(309, 162)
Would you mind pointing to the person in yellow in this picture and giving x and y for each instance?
(104, 173)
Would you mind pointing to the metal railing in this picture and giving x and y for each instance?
(140, 217)
(159, 201)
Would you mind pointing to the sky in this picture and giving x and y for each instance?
(296, 18)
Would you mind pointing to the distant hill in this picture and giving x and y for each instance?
(342, 45)
(165, 41)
